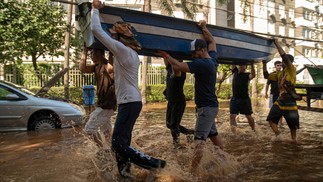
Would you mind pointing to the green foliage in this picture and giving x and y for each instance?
(24, 69)
(30, 28)
(76, 93)
(225, 92)
(189, 8)
(224, 72)
(77, 44)
(154, 92)
(20, 69)
(189, 92)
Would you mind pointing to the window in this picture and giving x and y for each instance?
(271, 28)
(291, 14)
(271, 8)
(306, 15)
(313, 53)
(291, 32)
(319, 54)
(306, 33)
(282, 30)
(178, 14)
(291, 51)
(282, 11)
(307, 52)
(3, 93)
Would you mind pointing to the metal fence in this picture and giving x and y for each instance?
(155, 75)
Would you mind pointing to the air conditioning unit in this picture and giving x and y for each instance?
(272, 18)
(317, 8)
(284, 21)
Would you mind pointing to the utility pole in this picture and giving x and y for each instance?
(67, 49)
(147, 8)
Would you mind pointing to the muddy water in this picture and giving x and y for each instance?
(67, 155)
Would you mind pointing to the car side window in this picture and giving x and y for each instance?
(4, 92)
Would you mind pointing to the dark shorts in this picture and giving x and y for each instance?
(240, 106)
(286, 109)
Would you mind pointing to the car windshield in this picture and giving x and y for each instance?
(21, 88)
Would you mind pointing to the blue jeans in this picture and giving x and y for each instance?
(121, 138)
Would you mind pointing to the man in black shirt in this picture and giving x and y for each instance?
(240, 101)
(176, 102)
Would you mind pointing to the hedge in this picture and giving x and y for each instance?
(154, 92)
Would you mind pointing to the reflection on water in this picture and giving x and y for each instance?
(67, 155)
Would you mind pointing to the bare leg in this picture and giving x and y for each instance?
(274, 128)
(251, 122)
(281, 122)
(233, 122)
(293, 134)
(217, 141)
(198, 154)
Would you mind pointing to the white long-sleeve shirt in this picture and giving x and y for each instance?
(126, 63)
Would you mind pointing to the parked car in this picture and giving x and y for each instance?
(21, 109)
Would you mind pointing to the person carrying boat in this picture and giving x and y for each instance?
(126, 65)
(176, 102)
(272, 81)
(100, 118)
(204, 66)
(240, 101)
(285, 105)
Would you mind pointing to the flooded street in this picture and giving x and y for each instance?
(67, 155)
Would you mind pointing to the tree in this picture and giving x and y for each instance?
(32, 28)
(224, 72)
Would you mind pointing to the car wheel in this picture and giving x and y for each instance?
(44, 123)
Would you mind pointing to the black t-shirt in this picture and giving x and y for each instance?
(273, 87)
(240, 84)
(174, 86)
(205, 73)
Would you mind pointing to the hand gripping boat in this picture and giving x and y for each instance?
(158, 32)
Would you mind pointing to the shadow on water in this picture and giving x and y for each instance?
(67, 155)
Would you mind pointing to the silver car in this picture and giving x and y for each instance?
(20, 109)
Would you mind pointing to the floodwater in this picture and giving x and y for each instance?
(67, 155)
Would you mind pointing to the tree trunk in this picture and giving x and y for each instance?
(146, 8)
(254, 83)
(67, 49)
(219, 88)
(37, 72)
(14, 73)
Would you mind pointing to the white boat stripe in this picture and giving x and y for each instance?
(110, 19)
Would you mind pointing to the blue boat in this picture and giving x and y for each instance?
(158, 32)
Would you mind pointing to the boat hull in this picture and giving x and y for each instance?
(157, 32)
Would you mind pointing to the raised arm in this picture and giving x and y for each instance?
(207, 36)
(264, 69)
(233, 67)
(282, 54)
(114, 46)
(177, 65)
(266, 90)
(83, 67)
(109, 66)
